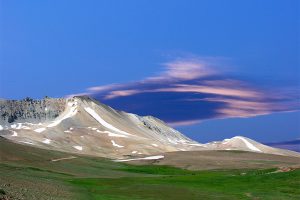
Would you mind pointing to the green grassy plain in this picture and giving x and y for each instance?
(29, 173)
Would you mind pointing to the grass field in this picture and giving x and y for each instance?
(29, 173)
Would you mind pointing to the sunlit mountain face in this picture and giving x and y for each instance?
(83, 125)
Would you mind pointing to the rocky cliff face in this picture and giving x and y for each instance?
(30, 110)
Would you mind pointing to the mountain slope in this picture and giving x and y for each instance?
(83, 125)
(246, 144)
(32, 173)
(89, 127)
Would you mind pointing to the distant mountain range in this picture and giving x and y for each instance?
(85, 126)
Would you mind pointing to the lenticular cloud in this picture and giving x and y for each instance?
(187, 91)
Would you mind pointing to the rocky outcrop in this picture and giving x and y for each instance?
(30, 110)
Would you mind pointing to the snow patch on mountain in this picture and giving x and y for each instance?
(39, 130)
(103, 122)
(46, 141)
(78, 148)
(14, 134)
(248, 144)
(17, 126)
(145, 158)
(115, 144)
(195, 144)
(13, 125)
(70, 112)
(111, 134)
(26, 142)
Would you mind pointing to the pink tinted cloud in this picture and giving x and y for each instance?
(249, 108)
(104, 88)
(238, 92)
(187, 69)
(199, 76)
(121, 93)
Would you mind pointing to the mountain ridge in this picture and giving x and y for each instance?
(84, 125)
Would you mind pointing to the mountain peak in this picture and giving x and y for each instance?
(84, 125)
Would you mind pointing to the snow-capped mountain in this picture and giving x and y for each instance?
(246, 144)
(83, 125)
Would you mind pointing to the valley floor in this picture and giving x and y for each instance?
(31, 173)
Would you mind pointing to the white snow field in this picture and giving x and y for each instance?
(145, 158)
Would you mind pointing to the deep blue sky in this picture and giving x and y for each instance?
(57, 48)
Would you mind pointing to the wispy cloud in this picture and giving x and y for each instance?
(186, 70)
(190, 90)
